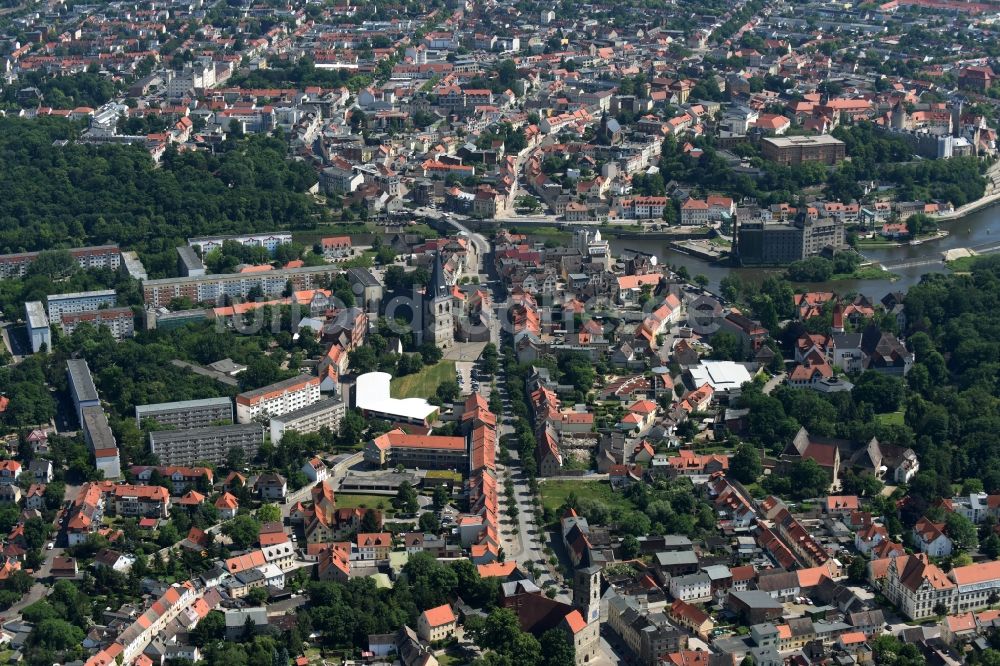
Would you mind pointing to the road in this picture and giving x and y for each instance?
(38, 591)
(773, 382)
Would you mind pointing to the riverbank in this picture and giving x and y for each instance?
(865, 273)
(969, 208)
(879, 242)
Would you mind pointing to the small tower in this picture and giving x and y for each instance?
(587, 592)
(439, 323)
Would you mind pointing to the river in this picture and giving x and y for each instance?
(977, 228)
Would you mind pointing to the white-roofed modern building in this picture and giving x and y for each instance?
(722, 376)
(372, 396)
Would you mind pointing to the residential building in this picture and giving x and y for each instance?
(101, 441)
(325, 413)
(227, 505)
(930, 538)
(437, 624)
(212, 288)
(181, 478)
(38, 326)
(696, 587)
(277, 399)
(372, 548)
(209, 444)
(186, 414)
(82, 301)
(315, 470)
(648, 635)
(10, 472)
(100, 256)
(119, 321)
(271, 485)
(146, 501)
(269, 240)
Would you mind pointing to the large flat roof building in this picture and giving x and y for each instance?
(210, 288)
(268, 239)
(373, 397)
(790, 150)
(97, 256)
(326, 413)
(81, 386)
(38, 326)
(119, 321)
(277, 399)
(209, 445)
(187, 413)
(101, 441)
(81, 301)
(782, 242)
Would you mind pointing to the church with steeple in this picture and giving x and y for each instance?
(438, 314)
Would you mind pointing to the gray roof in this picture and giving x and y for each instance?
(691, 579)
(718, 572)
(309, 410)
(676, 558)
(227, 365)
(95, 422)
(363, 276)
(155, 408)
(79, 377)
(106, 293)
(35, 312)
(190, 258)
(755, 599)
(238, 617)
(272, 275)
(208, 432)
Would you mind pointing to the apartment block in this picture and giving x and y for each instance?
(146, 501)
(101, 441)
(38, 326)
(270, 240)
(187, 414)
(120, 321)
(99, 256)
(277, 399)
(81, 386)
(210, 288)
(81, 301)
(799, 149)
(326, 413)
(210, 445)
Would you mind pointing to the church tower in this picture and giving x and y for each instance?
(439, 322)
(587, 592)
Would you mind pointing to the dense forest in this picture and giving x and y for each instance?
(77, 194)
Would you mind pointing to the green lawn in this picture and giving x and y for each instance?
(962, 265)
(554, 493)
(349, 501)
(424, 383)
(892, 418)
